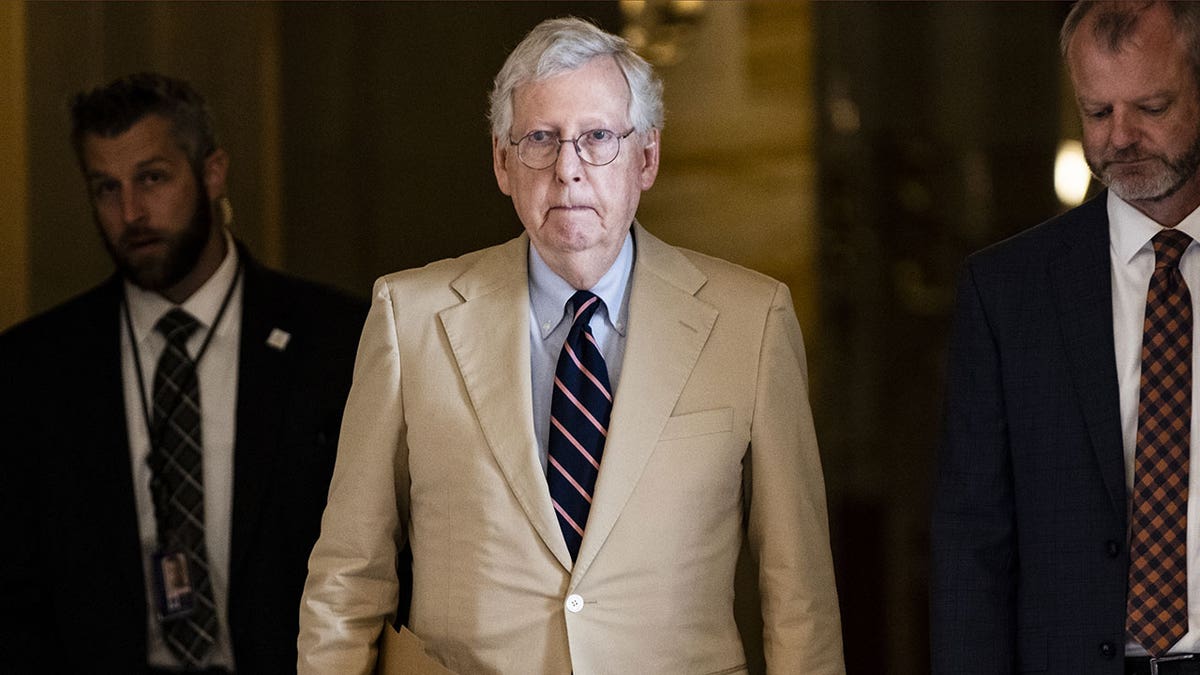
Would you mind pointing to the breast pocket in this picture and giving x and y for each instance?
(699, 454)
(703, 423)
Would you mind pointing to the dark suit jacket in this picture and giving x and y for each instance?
(73, 582)
(1029, 526)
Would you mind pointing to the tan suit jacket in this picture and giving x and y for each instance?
(711, 441)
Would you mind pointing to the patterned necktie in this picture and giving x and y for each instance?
(1157, 603)
(579, 411)
(177, 483)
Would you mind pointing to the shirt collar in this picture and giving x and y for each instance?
(549, 293)
(1130, 230)
(147, 307)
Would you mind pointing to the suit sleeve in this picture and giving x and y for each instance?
(27, 642)
(973, 581)
(788, 526)
(352, 585)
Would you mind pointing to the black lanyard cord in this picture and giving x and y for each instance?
(152, 435)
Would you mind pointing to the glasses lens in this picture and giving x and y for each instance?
(598, 146)
(538, 149)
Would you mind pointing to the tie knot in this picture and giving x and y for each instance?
(1169, 245)
(177, 325)
(585, 303)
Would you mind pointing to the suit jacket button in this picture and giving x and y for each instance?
(574, 603)
(1107, 650)
(1112, 548)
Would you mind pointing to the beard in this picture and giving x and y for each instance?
(1159, 177)
(183, 250)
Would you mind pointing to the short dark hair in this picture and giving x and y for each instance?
(1116, 22)
(111, 110)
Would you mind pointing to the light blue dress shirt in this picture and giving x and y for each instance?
(549, 324)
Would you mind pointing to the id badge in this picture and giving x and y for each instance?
(175, 597)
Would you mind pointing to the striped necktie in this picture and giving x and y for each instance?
(579, 413)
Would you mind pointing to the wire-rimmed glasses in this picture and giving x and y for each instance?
(539, 149)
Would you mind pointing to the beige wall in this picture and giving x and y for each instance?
(738, 175)
(14, 167)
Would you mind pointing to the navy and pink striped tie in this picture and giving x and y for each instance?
(579, 412)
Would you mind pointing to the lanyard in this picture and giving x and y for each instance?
(199, 354)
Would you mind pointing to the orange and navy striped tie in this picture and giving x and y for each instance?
(579, 413)
(1157, 603)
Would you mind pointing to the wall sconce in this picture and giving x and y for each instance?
(1071, 174)
(660, 30)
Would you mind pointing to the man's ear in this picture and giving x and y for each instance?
(216, 166)
(500, 150)
(650, 153)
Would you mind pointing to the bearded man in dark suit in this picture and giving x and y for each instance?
(1064, 539)
(183, 413)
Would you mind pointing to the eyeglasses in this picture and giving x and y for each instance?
(539, 149)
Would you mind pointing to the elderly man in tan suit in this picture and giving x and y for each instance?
(576, 430)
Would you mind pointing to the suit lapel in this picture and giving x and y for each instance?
(668, 326)
(91, 510)
(261, 387)
(1082, 285)
(489, 336)
(108, 463)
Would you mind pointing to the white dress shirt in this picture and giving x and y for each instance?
(1132, 252)
(549, 325)
(217, 372)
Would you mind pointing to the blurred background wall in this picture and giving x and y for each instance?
(856, 151)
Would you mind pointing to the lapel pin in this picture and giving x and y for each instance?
(278, 339)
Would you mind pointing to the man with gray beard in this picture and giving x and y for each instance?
(1063, 536)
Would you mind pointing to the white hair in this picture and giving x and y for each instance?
(561, 45)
